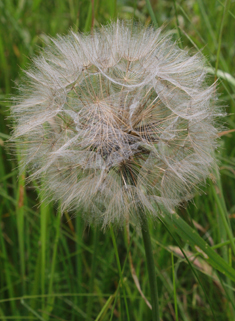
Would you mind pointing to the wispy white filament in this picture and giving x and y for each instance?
(117, 120)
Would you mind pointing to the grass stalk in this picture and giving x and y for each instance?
(53, 262)
(224, 219)
(152, 15)
(44, 209)
(20, 227)
(151, 268)
(79, 233)
(177, 24)
(120, 271)
(6, 268)
(226, 7)
(174, 286)
(92, 276)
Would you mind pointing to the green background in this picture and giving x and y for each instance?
(54, 268)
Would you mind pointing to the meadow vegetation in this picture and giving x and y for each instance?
(55, 268)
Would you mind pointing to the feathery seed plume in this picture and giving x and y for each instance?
(115, 121)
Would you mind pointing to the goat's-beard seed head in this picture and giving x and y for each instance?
(117, 121)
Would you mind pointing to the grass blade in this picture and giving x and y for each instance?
(190, 236)
(152, 15)
(174, 285)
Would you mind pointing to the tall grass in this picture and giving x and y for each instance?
(52, 268)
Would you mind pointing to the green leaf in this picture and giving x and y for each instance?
(177, 225)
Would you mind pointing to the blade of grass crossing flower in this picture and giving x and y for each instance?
(189, 235)
(152, 15)
(174, 285)
(120, 271)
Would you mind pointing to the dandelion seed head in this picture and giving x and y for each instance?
(115, 121)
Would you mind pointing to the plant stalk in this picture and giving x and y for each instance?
(151, 268)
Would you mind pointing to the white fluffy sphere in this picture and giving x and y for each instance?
(117, 121)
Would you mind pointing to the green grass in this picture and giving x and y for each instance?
(52, 268)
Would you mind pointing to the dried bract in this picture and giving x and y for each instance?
(116, 121)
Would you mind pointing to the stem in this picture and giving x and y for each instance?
(174, 285)
(152, 15)
(120, 271)
(79, 236)
(54, 255)
(222, 210)
(92, 276)
(151, 268)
